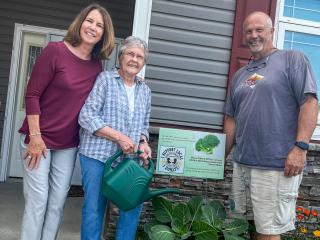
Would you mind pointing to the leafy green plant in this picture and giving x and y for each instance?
(192, 220)
(207, 144)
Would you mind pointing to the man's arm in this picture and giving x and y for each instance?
(307, 121)
(229, 130)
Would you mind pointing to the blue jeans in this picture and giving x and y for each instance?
(94, 205)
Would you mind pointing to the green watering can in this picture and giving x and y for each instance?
(126, 185)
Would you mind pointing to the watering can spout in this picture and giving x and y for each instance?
(154, 193)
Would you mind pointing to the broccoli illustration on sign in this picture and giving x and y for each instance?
(207, 144)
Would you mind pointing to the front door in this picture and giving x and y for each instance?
(30, 47)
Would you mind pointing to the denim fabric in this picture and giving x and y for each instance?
(94, 205)
(128, 223)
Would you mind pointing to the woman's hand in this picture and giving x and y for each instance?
(35, 150)
(125, 143)
(146, 155)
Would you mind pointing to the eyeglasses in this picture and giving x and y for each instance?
(133, 54)
(258, 65)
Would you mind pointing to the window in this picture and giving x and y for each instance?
(299, 28)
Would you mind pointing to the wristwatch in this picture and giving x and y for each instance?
(302, 145)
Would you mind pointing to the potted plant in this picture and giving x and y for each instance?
(193, 220)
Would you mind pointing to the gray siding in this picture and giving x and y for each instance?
(190, 45)
(53, 14)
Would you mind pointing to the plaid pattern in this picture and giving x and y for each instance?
(107, 105)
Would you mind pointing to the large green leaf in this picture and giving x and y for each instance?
(162, 232)
(186, 235)
(162, 209)
(180, 218)
(147, 226)
(195, 204)
(204, 231)
(219, 210)
(210, 216)
(232, 237)
(236, 227)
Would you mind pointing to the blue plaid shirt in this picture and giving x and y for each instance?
(108, 105)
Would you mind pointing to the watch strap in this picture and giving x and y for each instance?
(302, 145)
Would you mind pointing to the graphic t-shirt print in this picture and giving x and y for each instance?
(253, 79)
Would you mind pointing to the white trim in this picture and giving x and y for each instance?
(276, 24)
(141, 22)
(284, 26)
(19, 29)
(282, 18)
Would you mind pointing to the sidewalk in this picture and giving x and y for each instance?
(11, 209)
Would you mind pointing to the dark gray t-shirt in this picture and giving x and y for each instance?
(265, 107)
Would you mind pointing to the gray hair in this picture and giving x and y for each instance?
(132, 41)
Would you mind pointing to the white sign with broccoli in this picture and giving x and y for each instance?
(190, 153)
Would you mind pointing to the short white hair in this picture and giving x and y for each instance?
(132, 41)
(268, 19)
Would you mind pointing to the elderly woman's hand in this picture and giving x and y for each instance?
(125, 143)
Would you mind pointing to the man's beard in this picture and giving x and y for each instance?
(256, 47)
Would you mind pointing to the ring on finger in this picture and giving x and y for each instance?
(29, 157)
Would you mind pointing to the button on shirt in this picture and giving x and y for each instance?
(108, 105)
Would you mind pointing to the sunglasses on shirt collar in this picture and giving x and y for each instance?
(252, 66)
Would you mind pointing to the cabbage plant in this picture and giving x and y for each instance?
(193, 220)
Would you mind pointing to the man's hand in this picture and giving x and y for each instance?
(295, 162)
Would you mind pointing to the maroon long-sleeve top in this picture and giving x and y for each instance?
(58, 87)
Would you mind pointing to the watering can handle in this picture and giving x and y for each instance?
(111, 159)
(118, 153)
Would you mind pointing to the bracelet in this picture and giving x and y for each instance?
(34, 134)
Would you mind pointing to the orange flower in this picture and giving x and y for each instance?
(299, 209)
(303, 230)
(299, 217)
(316, 233)
(306, 211)
(314, 213)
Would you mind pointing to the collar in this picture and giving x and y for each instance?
(115, 74)
(254, 65)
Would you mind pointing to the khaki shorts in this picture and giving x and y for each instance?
(265, 196)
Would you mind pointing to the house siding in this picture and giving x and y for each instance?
(190, 45)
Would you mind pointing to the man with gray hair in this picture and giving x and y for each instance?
(271, 112)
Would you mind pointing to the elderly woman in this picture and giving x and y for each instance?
(115, 115)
